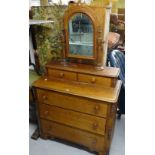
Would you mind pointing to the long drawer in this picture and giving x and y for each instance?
(72, 102)
(74, 119)
(93, 141)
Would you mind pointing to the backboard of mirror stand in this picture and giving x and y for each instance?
(85, 33)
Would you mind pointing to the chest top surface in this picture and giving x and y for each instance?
(107, 94)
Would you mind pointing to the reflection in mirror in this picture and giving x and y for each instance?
(80, 36)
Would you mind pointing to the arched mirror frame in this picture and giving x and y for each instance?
(67, 16)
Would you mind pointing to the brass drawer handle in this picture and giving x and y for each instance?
(93, 80)
(96, 108)
(61, 75)
(95, 125)
(46, 112)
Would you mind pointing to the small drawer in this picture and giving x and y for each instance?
(62, 74)
(93, 141)
(76, 103)
(103, 81)
(73, 119)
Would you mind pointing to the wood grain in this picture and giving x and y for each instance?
(93, 141)
(101, 93)
(72, 102)
(72, 118)
(85, 69)
(95, 80)
(62, 74)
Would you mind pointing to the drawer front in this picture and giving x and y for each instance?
(92, 141)
(73, 119)
(62, 74)
(71, 102)
(96, 80)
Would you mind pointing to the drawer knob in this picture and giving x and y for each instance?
(93, 80)
(94, 141)
(61, 75)
(95, 125)
(96, 108)
(44, 98)
(46, 112)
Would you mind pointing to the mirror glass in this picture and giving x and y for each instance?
(80, 36)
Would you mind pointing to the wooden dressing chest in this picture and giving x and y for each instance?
(77, 101)
(78, 104)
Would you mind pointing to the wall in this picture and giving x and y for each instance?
(34, 3)
(117, 4)
(120, 4)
